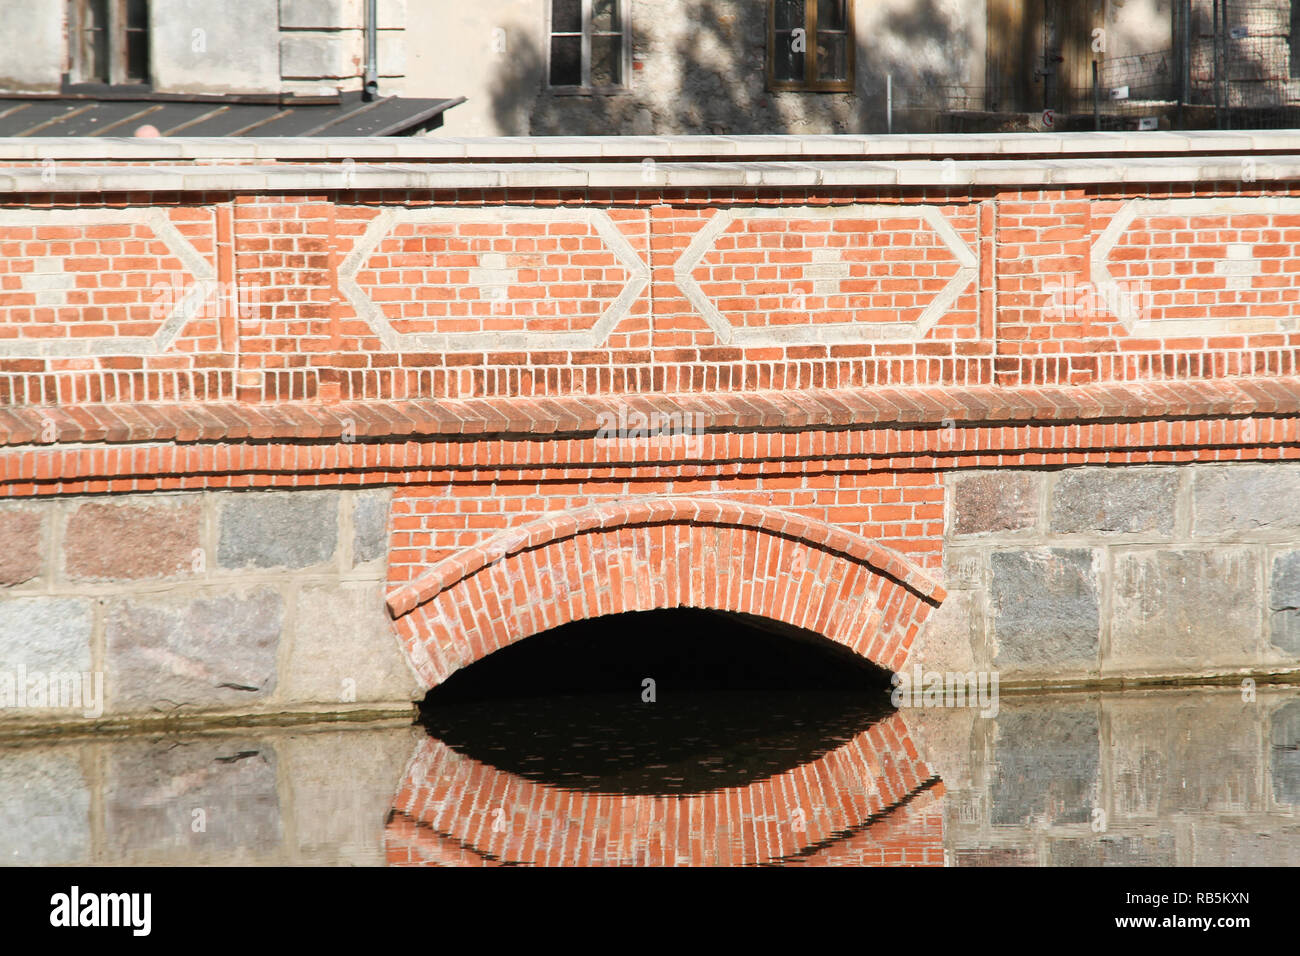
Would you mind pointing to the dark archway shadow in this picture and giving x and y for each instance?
(731, 700)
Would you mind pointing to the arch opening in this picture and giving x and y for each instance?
(660, 702)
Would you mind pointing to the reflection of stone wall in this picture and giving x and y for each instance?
(1161, 778)
(273, 798)
(1097, 572)
(203, 601)
(1157, 778)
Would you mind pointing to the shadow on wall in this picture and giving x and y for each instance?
(704, 75)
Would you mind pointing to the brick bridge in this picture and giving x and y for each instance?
(292, 425)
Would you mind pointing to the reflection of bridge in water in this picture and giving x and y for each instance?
(871, 801)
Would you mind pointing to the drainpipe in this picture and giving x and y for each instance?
(371, 89)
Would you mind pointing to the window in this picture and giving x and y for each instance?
(589, 44)
(1293, 40)
(110, 41)
(810, 45)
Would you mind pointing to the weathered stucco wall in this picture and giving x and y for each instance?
(222, 46)
(31, 45)
(197, 46)
(699, 66)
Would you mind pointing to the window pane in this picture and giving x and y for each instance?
(137, 14)
(832, 14)
(606, 16)
(832, 63)
(566, 16)
(606, 61)
(566, 61)
(789, 14)
(94, 41)
(787, 62)
(137, 41)
(95, 15)
(137, 56)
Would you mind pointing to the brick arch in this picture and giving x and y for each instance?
(653, 553)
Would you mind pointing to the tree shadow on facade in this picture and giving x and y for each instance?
(706, 77)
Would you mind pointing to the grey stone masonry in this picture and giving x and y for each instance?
(1094, 573)
(294, 530)
(201, 602)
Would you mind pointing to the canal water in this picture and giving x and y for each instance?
(621, 747)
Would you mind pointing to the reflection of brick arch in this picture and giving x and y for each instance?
(870, 802)
(649, 553)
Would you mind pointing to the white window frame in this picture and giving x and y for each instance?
(625, 18)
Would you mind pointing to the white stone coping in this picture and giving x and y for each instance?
(58, 178)
(515, 148)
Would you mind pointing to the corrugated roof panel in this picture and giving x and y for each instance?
(118, 116)
(40, 113)
(173, 118)
(104, 116)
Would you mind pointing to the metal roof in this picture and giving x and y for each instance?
(345, 115)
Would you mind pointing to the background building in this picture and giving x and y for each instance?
(741, 66)
(555, 67)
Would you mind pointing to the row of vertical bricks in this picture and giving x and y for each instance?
(788, 410)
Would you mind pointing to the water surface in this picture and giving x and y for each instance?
(758, 777)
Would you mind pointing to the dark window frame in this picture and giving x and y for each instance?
(1293, 39)
(810, 83)
(585, 86)
(117, 71)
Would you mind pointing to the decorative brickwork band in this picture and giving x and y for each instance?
(791, 409)
(652, 553)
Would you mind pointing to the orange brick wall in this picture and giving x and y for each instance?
(478, 293)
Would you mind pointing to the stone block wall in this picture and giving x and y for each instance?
(191, 602)
(1098, 572)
